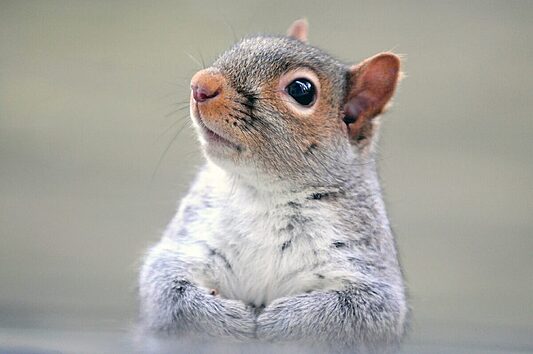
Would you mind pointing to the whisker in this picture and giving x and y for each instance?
(167, 129)
(224, 19)
(179, 84)
(166, 150)
(182, 103)
(181, 106)
(195, 60)
(180, 109)
(202, 59)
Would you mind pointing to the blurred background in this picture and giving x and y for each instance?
(95, 153)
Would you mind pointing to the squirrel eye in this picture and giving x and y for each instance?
(303, 91)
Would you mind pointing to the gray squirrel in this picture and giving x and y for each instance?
(283, 236)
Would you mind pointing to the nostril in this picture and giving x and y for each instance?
(202, 94)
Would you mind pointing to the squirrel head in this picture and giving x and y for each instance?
(288, 109)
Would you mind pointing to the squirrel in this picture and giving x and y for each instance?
(283, 236)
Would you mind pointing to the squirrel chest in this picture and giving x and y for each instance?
(257, 252)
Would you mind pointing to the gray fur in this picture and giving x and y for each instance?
(172, 304)
(297, 243)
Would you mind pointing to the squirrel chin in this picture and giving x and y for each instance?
(209, 137)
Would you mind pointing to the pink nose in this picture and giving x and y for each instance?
(202, 93)
(206, 84)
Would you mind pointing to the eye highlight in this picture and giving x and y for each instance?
(303, 91)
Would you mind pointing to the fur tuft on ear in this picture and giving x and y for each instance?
(299, 30)
(372, 84)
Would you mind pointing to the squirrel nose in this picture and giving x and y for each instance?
(202, 94)
(206, 85)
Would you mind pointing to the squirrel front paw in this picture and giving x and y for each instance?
(182, 307)
(299, 318)
(219, 317)
(268, 328)
(278, 323)
(233, 320)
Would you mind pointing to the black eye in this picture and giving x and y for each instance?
(303, 91)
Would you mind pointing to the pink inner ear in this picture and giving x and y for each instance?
(298, 30)
(357, 105)
(373, 84)
(378, 77)
(375, 81)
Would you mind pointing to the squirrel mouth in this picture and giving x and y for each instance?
(211, 136)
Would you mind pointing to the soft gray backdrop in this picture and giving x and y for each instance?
(89, 99)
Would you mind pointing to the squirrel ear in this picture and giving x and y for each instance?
(372, 84)
(298, 30)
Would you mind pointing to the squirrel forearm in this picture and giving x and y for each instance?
(172, 303)
(365, 316)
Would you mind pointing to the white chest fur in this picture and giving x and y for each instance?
(272, 253)
(257, 249)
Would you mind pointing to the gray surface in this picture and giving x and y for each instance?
(85, 88)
